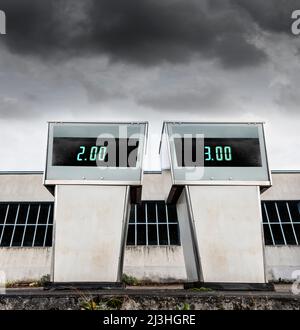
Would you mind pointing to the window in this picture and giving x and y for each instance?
(281, 222)
(26, 224)
(153, 223)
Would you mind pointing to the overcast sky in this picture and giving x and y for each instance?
(155, 60)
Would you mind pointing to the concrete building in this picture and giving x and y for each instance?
(154, 251)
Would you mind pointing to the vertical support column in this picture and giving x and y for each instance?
(90, 224)
(226, 236)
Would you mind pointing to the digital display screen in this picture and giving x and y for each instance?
(94, 152)
(218, 152)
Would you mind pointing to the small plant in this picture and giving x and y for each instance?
(183, 307)
(130, 280)
(44, 279)
(88, 302)
(91, 305)
(28, 283)
(20, 284)
(114, 303)
(202, 289)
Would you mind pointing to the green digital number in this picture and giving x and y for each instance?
(93, 153)
(227, 153)
(219, 153)
(207, 153)
(102, 153)
(80, 153)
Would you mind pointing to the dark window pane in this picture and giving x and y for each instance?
(29, 232)
(172, 213)
(51, 214)
(272, 213)
(141, 234)
(11, 216)
(49, 236)
(277, 234)
(283, 212)
(297, 232)
(152, 235)
(289, 234)
(131, 235)
(141, 217)
(267, 234)
(132, 214)
(33, 212)
(174, 234)
(163, 234)
(151, 212)
(263, 211)
(18, 235)
(161, 212)
(7, 234)
(1, 228)
(43, 214)
(22, 213)
(3, 208)
(295, 211)
(39, 236)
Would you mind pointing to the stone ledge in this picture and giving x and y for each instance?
(139, 299)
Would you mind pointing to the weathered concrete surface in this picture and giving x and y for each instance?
(26, 186)
(150, 300)
(229, 239)
(88, 231)
(282, 261)
(158, 264)
(25, 263)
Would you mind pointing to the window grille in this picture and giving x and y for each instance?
(26, 224)
(153, 223)
(281, 222)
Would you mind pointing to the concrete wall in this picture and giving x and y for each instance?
(20, 187)
(157, 263)
(156, 186)
(25, 263)
(151, 264)
(281, 262)
(285, 186)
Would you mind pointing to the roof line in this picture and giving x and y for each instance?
(145, 172)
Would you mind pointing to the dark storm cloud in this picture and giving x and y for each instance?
(142, 32)
(145, 32)
(271, 15)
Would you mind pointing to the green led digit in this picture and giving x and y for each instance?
(227, 153)
(102, 153)
(80, 153)
(219, 153)
(207, 153)
(93, 153)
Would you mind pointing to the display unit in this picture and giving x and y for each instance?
(217, 153)
(95, 173)
(216, 173)
(95, 153)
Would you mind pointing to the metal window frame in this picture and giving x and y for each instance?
(36, 225)
(156, 224)
(280, 222)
